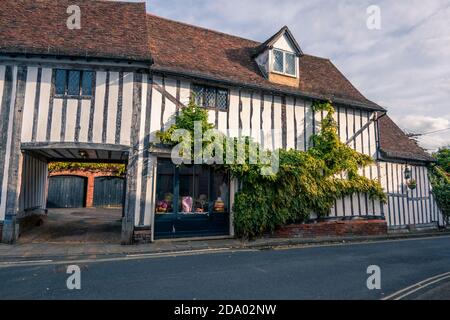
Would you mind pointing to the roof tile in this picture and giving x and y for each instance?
(119, 30)
(180, 47)
(109, 29)
(394, 143)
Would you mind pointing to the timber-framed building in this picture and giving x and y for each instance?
(99, 93)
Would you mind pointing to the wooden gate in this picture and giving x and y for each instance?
(108, 191)
(66, 192)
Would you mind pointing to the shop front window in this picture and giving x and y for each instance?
(220, 192)
(190, 190)
(164, 190)
(194, 189)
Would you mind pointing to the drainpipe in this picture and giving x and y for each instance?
(378, 134)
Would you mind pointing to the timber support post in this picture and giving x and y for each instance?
(130, 199)
(13, 166)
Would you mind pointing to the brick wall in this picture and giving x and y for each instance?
(142, 235)
(90, 175)
(334, 229)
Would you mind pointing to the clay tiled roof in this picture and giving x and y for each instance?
(185, 49)
(120, 30)
(114, 30)
(395, 144)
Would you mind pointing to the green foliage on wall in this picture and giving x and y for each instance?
(443, 159)
(305, 182)
(185, 121)
(440, 180)
(118, 169)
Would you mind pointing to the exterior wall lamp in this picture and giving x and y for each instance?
(407, 173)
(83, 154)
(410, 183)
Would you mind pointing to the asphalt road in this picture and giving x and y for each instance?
(332, 272)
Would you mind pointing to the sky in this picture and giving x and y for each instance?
(404, 65)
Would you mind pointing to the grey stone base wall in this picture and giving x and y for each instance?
(142, 235)
(10, 231)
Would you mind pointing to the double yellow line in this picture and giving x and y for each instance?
(405, 293)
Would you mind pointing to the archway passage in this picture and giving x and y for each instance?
(71, 209)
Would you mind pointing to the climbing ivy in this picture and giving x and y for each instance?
(185, 121)
(306, 181)
(118, 169)
(439, 174)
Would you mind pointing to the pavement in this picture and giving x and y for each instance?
(73, 250)
(329, 271)
(71, 234)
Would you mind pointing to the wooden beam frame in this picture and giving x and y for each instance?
(367, 125)
(167, 95)
(31, 146)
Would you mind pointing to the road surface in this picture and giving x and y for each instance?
(324, 272)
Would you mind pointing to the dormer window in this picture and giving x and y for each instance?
(284, 62)
(279, 58)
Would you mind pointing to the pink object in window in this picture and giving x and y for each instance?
(186, 204)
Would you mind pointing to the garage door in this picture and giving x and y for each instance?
(66, 192)
(108, 191)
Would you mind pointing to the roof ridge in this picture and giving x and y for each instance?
(236, 54)
(203, 28)
(316, 57)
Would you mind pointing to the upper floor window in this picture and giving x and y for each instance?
(74, 83)
(284, 62)
(211, 97)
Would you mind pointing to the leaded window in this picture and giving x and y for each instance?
(284, 62)
(278, 61)
(60, 79)
(222, 98)
(86, 85)
(74, 83)
(210, 97)
(290, 64)
(73, 88)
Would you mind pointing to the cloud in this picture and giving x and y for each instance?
(405, 66)
(423, 124)
(432, 143)
(427, 125)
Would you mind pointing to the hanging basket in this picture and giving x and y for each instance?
(412, 184)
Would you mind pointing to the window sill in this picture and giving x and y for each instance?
(64, 96)
(285, 74)
(214, 108)
(189, 214)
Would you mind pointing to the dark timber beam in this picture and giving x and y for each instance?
(10, 226)
(128, 220)
(168, 96)
(74, 145)
(373, 119)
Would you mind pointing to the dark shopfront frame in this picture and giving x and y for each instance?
(179, 224)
